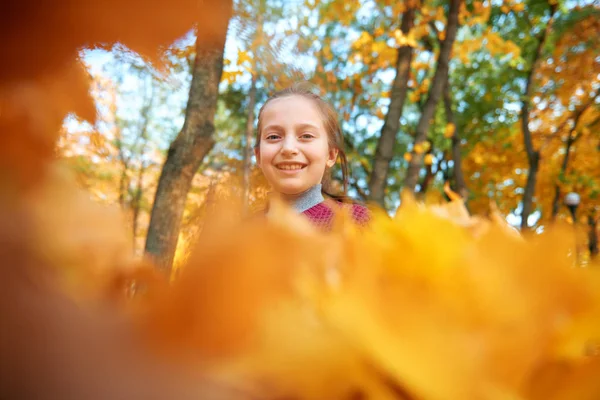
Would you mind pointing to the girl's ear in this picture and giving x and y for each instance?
(333, 155)
(257, 154)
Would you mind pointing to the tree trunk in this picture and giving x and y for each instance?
(123, 184)
(556, 201)
(570, 141)
(593, 236)
(429, 175)
(534, 163)
(124, 160)
(256, 43)
(137, 201)
(458, 175)
(435, 92)
(391, 125)
(142, 139)
(194, 140)
(533, 155)
(249, 138)
(563, 171)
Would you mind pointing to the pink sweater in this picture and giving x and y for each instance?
(322, 214)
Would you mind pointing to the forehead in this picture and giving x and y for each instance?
(292, 110)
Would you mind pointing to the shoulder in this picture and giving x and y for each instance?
(359, 213)
(321, 211)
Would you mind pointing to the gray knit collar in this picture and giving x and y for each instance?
(309, 199)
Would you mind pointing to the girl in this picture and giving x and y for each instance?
(298, 141)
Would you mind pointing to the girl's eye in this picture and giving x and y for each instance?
(306, 136)
(272, 137)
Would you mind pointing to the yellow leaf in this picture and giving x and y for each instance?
(428, 160)
(518, 7)
(364, 39)
(414, 96)
(231, 76)
(407, 157)
(422, 147)
(243, 56)
(398, 35)
(424, 88)
(379, 47)
(449, 131)
(405, 40)
(574, 134)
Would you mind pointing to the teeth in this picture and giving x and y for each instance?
(290, 167)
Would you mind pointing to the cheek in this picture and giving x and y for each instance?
(320, 152)
(266, 154)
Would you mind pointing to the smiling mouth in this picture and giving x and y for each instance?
(290, 167)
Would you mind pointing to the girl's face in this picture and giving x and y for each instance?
(294, 147)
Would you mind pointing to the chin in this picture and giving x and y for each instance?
(292, 192)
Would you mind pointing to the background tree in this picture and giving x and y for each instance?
(387, 138)
(195, 139)
(433, 96)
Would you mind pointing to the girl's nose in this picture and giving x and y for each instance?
(289, 146)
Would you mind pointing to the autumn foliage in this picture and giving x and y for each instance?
(432, 303)
(277, 309)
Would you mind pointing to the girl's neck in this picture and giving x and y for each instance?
(305, 200)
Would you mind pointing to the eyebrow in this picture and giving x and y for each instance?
(307, 126)
(297, 127)
(273, 128)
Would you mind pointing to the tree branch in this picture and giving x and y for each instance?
(361, 193)
(574, 116)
